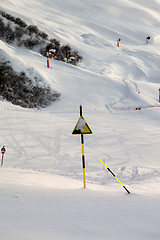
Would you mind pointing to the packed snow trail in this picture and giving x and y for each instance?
(43, 140)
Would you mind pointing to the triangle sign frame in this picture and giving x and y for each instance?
(81, 127)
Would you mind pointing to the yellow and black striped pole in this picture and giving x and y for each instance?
(83, 161)
(82, 128)
(115, 176)
(83, 157)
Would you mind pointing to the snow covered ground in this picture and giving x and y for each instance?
(41, 183)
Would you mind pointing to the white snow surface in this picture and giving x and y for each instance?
(41, 182)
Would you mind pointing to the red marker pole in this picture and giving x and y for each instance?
(118, 41)
(3, 150)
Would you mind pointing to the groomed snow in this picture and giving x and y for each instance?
(41, 183)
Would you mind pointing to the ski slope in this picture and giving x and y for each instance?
(41, 182)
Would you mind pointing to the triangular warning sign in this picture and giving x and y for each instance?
(81, 127)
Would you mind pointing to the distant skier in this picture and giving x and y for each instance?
(148, 39)
(3, 150)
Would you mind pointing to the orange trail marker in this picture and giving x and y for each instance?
(3, 150)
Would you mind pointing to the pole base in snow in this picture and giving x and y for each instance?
(48, 64)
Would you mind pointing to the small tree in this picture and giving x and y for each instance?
(43, 35)
(9, 34)
(20, 22)
(20, 90)
(18, 32)
(33, 29)
(2, 28)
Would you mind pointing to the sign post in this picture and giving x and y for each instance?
(48, 63)
(118, 41)
(83, 161)
(115, 176)
(3, 150)
(82, 128)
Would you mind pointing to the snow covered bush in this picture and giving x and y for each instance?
(16, 20)
(2, 28)
(18, 33)
(10, 35)
(20, 90)
(30, 37)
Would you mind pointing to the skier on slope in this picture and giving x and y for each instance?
(148, 39)
(3, 150)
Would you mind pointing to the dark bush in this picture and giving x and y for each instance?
(7, 16)
(45, 49)
(20, 22)
(8, 27)
(66, 52)
(40, 39)
(20, 90)
(43, 35)
(18, 32)
(55, 42)
(10, 35)
(17, 20)
(32, 29)
(30, 43)
(2, 28)
(77, 57)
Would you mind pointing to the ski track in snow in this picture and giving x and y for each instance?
(27, 144)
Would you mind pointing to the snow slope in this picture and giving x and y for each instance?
(42, 195)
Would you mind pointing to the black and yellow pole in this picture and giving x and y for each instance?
(115, 176)
(83, 161)
(82, 128)
(83, 157)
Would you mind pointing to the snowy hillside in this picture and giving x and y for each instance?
(41, 182)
